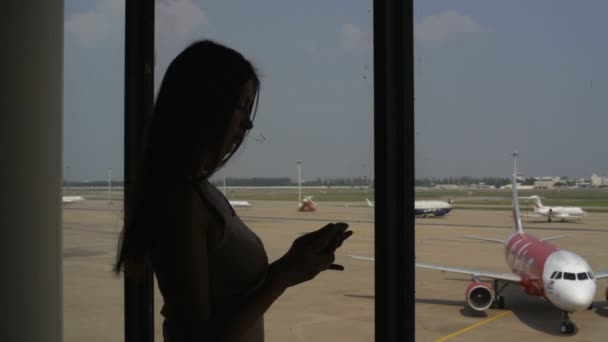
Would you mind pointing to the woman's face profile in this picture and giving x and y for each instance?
(241, 118)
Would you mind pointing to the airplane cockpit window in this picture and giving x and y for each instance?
(553, 274)
(591, 276)
(559, 275)
(582, 276)
(569, 276)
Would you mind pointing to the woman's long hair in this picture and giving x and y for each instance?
(188, 129)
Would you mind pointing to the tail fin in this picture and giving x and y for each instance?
(516, 215)
(537, 203)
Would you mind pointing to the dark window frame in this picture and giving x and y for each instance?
(393, 163)
(139, 99)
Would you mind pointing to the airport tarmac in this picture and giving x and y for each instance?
(339, 306)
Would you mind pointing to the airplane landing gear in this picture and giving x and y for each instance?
(567, 328)
(499, 301)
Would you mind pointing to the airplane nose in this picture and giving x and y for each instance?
(580, 299)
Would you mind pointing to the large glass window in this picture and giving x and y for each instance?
(314, 128)
(93, 169)
(492, 77)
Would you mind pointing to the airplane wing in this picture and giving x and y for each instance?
(484, 239)
(560, 215)
(600, 275)
(532, 215)
(361, 257)
(510, 277)
(555, 237)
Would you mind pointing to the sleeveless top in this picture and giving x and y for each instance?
(237, 263)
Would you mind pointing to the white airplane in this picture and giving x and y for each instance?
(426, 208)
(560, 213)
(72, 199)
(542, 269)
(235, 204)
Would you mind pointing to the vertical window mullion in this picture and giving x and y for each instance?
(139, 99)
(394, 165)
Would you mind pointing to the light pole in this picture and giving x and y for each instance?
(110, 185)
(363, 177)
(299, 182)
(67, 178)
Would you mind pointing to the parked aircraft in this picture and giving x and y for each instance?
(425, 208)
(307, 204)
(72, 199)
(235, 204)
(542, 269)
(560, 213)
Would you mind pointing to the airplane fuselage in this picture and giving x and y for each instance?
(561, 277)
(564, 210)
(561, 212)
(431, 208)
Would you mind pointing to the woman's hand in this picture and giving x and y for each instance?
(309, 255)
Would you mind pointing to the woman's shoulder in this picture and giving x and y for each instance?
(184, 200)
(187, 211)
(191, 192)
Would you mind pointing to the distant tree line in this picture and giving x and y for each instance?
(255, 181)
(284, 181)
(97, 183)
(328, 182)
(493, 181)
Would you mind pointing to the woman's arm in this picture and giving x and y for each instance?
(232, 320)
(189, 300)
(309, 255)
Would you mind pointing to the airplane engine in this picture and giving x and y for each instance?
(479, 296)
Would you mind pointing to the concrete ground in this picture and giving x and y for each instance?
(338, 306)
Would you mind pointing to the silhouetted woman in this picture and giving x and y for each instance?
(212, 270)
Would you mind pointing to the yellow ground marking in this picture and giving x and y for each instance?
(471, 327)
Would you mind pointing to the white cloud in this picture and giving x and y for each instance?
(179, 21)
(436, 28)
(354, 38)
(98, 26)
(178, 24)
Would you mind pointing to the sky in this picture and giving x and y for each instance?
(490, 76)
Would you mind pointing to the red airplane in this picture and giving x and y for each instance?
(561, 277)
